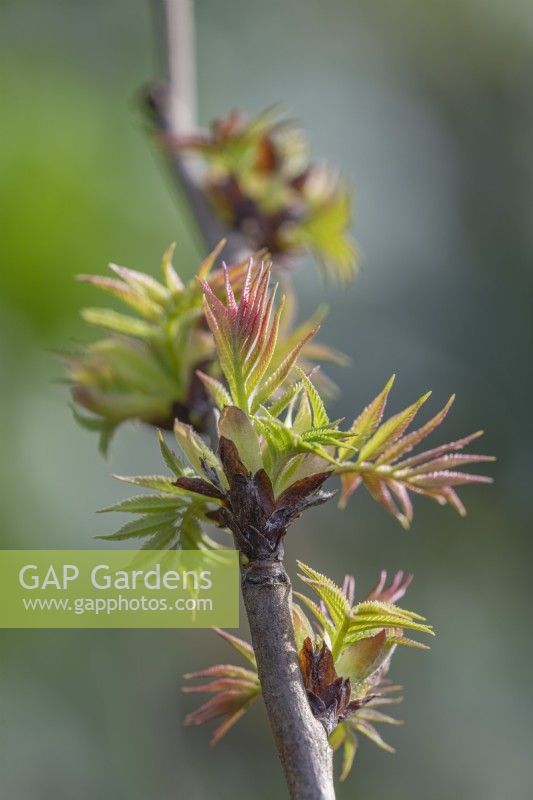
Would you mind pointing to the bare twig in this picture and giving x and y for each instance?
(179, 16)
(176, 116)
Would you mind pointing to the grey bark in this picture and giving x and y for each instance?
(301, 740)
(175, 105)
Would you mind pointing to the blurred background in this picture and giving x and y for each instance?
(428, 110)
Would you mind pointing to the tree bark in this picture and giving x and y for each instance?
(175, 107)
(301, 740)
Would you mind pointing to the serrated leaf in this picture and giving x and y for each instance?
(216, 389)
(148, 504)
(274, 381)
(246, 650)
(328, 591)
(142, 527)
(171, 460)
(161, 483)
(320, 417)
(316, 611)
(197, 452)
(391, 430)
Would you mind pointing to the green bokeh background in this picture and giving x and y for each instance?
(427, 108)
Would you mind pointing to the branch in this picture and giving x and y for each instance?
(300, 739)
(175, 113)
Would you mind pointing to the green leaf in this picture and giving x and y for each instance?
(373, 614)
(362, 659)
(160, 483)
(315, 610)
(171, 460)
(121, 323)
(367, 422)
(142, 527)
(391, 430)
(167, 538)
(320, 417)
(234, 424)
(246, 650)
(139, 302)
(142, 283)
(279, 405)
(302, 626)
(348, 754)
(197, 452)
(148, 504)
(216, 389)
(328, 591)
(275, 379)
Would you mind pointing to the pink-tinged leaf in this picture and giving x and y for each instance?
(348, 588)
(222, 671)
(392, 593)
(437, 452)
(406, 443)
(368, 730)
(207, 264)
(446, 478)
(379, 490)
(402, 495)
(232, 303)
(224, 703)
(265, 357)
(228, 723)
(448, 461)
(391, 430)
(432, 473)
(222, 684)
(239, 645)
(349, 483)
(236, 273)
(453, 499)
(372, 715)
(367, 422)
(282, 372)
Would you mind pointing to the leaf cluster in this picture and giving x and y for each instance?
(261, 181)
(148, 364)
(344, 659)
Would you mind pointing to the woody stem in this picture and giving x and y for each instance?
(301, 740)
(175, 117)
